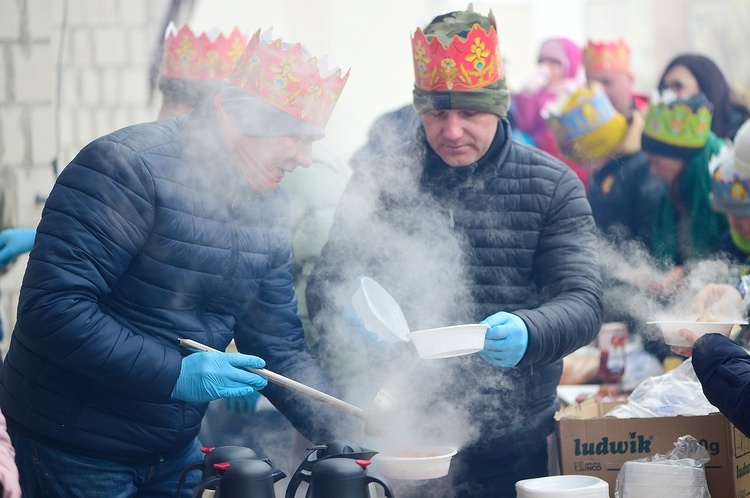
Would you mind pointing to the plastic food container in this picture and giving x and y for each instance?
(379, 311)
(429, 462)
(649, 479)
(381, 314)
(566, 486)
(445, 342)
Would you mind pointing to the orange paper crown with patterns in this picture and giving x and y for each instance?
(463, 65)
(202, 57)
(287, 79)
(607, 56)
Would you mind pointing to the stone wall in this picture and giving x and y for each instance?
(57, 93)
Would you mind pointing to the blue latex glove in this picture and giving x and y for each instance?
(210, 375)
(506, 340)
(243, 404)
(356, 324)
(14, 242)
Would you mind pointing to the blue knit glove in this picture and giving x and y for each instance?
(14, 242)
(210, 375)
(506, 340)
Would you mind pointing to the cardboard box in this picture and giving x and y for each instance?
(591, 444)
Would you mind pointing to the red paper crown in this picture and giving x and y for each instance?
(191, 57)
(463, 65)
(287, 79)
(607, 56)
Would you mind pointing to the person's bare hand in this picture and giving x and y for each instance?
(690, 337)
(719, 301)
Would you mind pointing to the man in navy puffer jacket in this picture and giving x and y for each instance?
(160, 231)
(464, 225)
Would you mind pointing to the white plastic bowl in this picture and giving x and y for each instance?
(428, 462)
(445, 342)
(569, 486)
(670, 329)
(379, 311)
(663, 490)
(382, 315)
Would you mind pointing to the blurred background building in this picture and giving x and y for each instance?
(72, 70)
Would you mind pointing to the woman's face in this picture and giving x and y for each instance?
(666, 168)
(681, 81)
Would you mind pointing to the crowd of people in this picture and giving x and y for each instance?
(474, 204)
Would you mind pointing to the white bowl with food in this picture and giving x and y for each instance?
(446, 342)
(670, 329)
(424, 462)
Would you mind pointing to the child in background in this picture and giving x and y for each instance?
(730, 176)
(679, 143)
(555, 75)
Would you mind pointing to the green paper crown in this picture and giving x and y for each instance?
(678, 124)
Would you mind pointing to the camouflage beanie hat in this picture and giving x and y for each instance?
(493, 98)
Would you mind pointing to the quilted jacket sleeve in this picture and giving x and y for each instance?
(723, 367)
(97, 217)
(569, 277)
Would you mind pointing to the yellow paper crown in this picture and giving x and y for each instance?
(200, 57)
(588, 126)
(462, 65)
(287, 79)
(607, 56)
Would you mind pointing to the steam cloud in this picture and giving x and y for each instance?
(417, 256)
(634, 280)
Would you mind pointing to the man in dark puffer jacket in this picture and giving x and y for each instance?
(469, 225)
(160, 231)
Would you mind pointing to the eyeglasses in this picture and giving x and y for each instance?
(675, 86)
